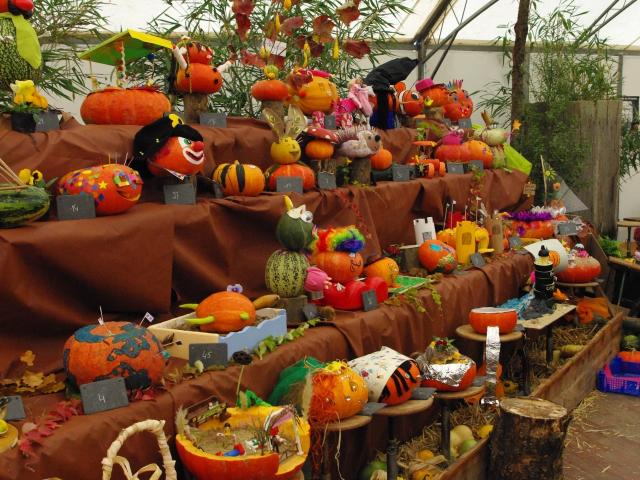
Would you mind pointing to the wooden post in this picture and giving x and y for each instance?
(194, 105)
(293, 306)
(361, 171)
(528, 440)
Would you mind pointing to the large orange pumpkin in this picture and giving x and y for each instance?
(436, 256)
(583, 270)
(198, 78)
(270, 90)
(381, 160)
(319, 149)
(206, 466)
(385, 268)
(114, 349)
(452, 153)
(342, 267)
(120, 106)
(338, 393)
(477, 150)
(231, 312)
(465, 382)
(482, 318)
(319, 95)
(290, 170)
(239, 179)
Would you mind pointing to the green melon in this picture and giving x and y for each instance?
(285, 273)
(22, 205)
(12, 66)
(294, 233)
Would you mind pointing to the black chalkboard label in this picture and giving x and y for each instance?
(477, 260)
(103, 395)
(289, 184)
(515, 242)
(369, 300)
(217, 189)
(401, 173)
(422, 393)
(327, 181)
(330, 122)
(46, 121)
(75, 207)
(179, 194)
(567, 228)
(477, 164)
(372, 407)
(455, 167)
(214, 119)
(209, 353)
(310, 311)
(15, 408)
(465, 123)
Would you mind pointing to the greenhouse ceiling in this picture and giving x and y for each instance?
(621, 31)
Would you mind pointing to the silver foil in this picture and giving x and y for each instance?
(448, 373)
(492, 357)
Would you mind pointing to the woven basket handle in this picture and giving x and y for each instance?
(154, 426)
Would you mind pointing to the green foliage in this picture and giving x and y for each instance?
(630, 149)
(610, 246)
(270, 343)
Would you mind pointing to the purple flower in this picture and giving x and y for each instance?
(529, 216)
(237, 288)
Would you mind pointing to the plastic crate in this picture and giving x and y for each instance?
(616, 378)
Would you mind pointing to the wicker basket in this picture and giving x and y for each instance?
(112, 458)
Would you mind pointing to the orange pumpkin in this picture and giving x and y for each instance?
(291, 170)
(381, 160)
(448, 236)
(198, 78)
(319, 95)
(436, 256)
(465, 381)
(385, 268)
(438, 94)
(319, 149)
(582, 270)
(409, 103)
(534, 229)
(452, 153)
(478, 150)
(270, 90)
(231, 312)
(342, 267)
(199, 53)
(504, 318)
(338, 393)
(459, 106)
(239, 179)
(401, 384)
(124, 106)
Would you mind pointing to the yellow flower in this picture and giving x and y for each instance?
(336, 50)
(556, 186)
(516, 125)
(25, 176)
(286, 4)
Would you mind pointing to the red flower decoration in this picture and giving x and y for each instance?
(290, 24)
(242, 7)
(322, 28)
(356, 48)
(349, 11)
(243, 25)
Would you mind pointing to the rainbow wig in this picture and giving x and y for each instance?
(341, 239)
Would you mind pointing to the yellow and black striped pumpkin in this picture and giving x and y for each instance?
(239, 179)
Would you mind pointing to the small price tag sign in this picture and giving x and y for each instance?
(330, 122)
(369, 300)
(477, 260)
(75, 207)
(15, 408)
(289, 184)
(179, 194)
(477, 164)
(327, 181)
(447, 122)
(103, 395)
(567, 228)
(401, 173)
(46, 121)
(214, 119)
(209, 353)
(465, 123)
(455, 167)
(310, 311)
(422, 393)
(372, 407)
(515, 242)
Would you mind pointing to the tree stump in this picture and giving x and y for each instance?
(293, 306)
(194, 105)
(361, 171)
(528, 440)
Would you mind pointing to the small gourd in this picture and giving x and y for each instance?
(223, 312)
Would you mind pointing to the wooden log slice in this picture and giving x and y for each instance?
(361, 171)
(528, 440)
(194, 105)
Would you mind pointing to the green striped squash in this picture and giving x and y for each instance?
(22, 205)
(12, 66)
(239, 179)
(285, 273)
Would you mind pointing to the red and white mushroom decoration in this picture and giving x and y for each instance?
(321, 147)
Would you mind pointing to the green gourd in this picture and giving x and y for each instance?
(295, 228)
(22, 205)
(285, 273)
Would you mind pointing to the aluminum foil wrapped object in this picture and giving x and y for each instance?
(448, 373)
(492, 358)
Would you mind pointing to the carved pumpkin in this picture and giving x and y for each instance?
(239, 179)
(477, 150)
(338, 393)
(115, 188)
(119, 106)
(459, 106)
(436, 256)
(291, 170)
(224, 312)
(503, 318)
(115, 349)
(207, 466)
(270, 90)
(319, 95)
(385, 268)
(319, 149)
(381, 160)
(198, 78)
(582, 270)
(342, 267)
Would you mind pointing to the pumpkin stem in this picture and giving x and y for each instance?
(190, 306)
(244, 316)
(201, 321)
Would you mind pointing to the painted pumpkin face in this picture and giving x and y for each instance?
(115, 188)
(285, 151)
(460, 106)
(436, 96)
(180, 155)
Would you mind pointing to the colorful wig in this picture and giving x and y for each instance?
(341, 239)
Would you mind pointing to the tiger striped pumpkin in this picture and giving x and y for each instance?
(239, 179)
(285, 273)
(401, 383)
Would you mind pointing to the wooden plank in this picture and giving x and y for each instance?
(621, 263)
(628, 224)
(472, 465)
(544, 321)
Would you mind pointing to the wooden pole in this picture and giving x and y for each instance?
(528, 440)
(194, 105)
(518, 73)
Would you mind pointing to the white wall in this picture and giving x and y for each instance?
(630, 187)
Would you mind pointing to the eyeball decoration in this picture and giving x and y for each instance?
(295, 227)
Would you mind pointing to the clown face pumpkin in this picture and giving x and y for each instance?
(114, 188)
(180, 155)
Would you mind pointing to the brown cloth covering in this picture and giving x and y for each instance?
(54, 275)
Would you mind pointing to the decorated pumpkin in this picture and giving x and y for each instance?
(198, 78)
(239, 179)
(295, 227)
(110, 350)
(198, 52)
(257, 465)
(459, 105)
(448, 236)
(390, 376)
(436, 256)
(115, 188)
(445, 368)
(124, 106)
(321, 147)
(270, 90)
(452, 149)
(482, 318)
(286, 149)
(285, 273)
(336, 252)
(290, 170)
(223, 312)
(319, 95)
(408, 102)
(477, 150)
(582, 268)
(385, 268)
(434, 95)
(381, 160)
(338, 393)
